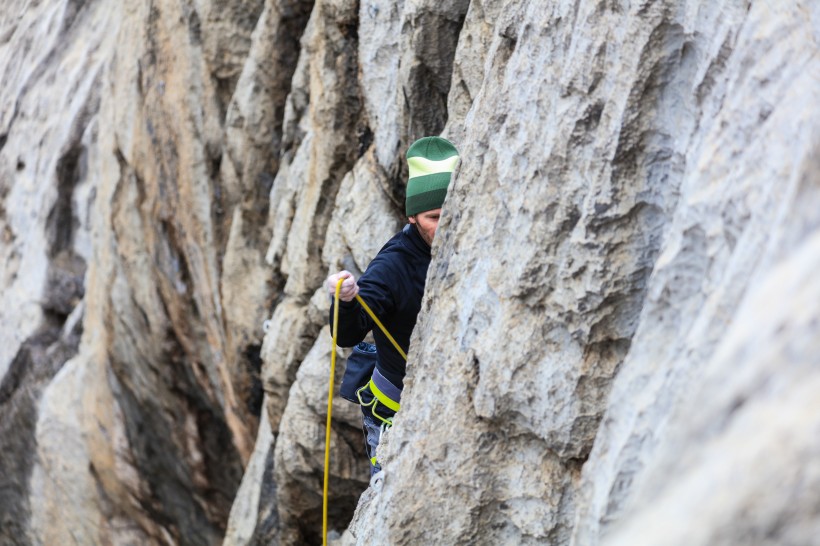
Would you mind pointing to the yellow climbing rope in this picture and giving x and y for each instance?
(330, 388)
(379, 324)
(330, 408)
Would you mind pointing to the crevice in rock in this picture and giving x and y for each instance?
(72, 11)
(171, 260)
(170, 455)
(634, 139)
(430, 76)
(65, 279)
(718, 65)
(65, 284)
(34, 366)
(267, 523)
(195, 27)
(276, 81)
(365, 139)
(182, 447)
(242, 17)
(583, 133)
(61, 222)
(160, 464)
(254, 392)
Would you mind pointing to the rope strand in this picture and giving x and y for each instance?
(330, 408)
(381, 326)
(330, 389)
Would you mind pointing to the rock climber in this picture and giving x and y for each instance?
(393, 286)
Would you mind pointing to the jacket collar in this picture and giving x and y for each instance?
(418, 244)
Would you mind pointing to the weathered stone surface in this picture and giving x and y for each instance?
(540, 278)
(251, 160)
(363, 220)
(312, 169)
(745, 198)
(740, 457)
(299, 458)
(46, 135)
(254, 517)
(291, 336)
(110, 147)
(639, 112)
(619, 327)
(35, 366)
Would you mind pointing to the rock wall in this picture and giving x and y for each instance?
(114, 134)
(588, 330)
(618, 339)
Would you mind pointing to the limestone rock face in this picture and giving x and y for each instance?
(586, 335)
(740, 224)
(618, 341)
(117, 224)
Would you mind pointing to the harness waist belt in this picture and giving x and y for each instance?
(385, 391)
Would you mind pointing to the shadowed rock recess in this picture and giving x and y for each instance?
(620, 335)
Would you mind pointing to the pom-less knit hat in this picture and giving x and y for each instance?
(431, 161)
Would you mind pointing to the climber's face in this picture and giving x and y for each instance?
(427, 223)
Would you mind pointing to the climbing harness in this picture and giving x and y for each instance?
(377, 480)
(382, 390)
(372, 405)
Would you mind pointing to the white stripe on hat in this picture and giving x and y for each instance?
(420, 166)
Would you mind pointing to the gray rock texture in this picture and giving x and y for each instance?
(618, 341)
(740, 216)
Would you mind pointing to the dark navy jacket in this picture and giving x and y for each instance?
(392, 286)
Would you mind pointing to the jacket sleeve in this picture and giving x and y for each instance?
(375, 289)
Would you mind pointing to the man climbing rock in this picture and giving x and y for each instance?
(393, 286)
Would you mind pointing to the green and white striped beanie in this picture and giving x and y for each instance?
(431, 161)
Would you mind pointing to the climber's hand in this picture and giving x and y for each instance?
(349, 286)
